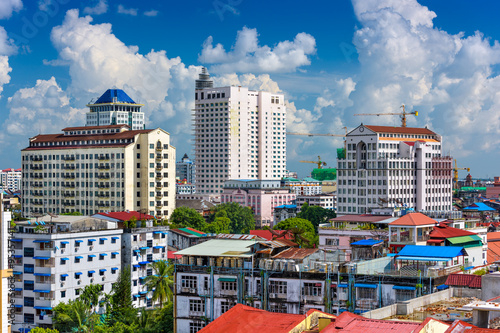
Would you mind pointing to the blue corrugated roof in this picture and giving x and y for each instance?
(432, 251)
(480, 207)
(286, 206)
(368, 242)
(121, 97)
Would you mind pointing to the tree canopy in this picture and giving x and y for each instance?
(242, 219)
(187, 217)
(302, 229)
(315, 214)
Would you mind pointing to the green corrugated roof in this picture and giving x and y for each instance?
(192, 232)
(466, 241)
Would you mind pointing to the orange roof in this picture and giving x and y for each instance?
(295, 253)
(493, 252)
(444, 231)
(402, 130)
(348, 322)
(242, 318)
(493, 236)
(414, 219)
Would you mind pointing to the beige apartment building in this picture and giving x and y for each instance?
(95, 169)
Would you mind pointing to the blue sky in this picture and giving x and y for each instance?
(331, 59)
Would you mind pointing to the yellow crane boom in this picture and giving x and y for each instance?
(320, 163)
(402, 114)
(321, 134)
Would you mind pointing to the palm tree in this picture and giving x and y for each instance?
(90, 296)
(161, 282)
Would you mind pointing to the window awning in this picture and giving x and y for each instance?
(422, 258)
(442, 287)
(114, 268)
(103, 270)
(115, 253)
(42, 258)
(91, 240)
(64, 275)
(41, 241)
(64, 242)
(137, 251)
(136, 266)
(64, 259)
(78, 257)
(227, 279)
(158, 247)
(16, 240)
(18, 289)
(115, 237)
(342, 285)
(42, 291)
(43, 307)
(91, 272)
(103, 254)
(17, 256)
(142, 277)
(403, 288)
(143, 292)
(157, 232)
(136, 296)
(18, 306)
(91, 255)
(103, 238)
(365, 285)
(41, 274)
(78, 273)
(78, 241)
(144, 247)
(143, 262)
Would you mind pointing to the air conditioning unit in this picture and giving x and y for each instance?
(62, 251)
(192, 290)
(103, 278)
(185, 290)
(62, 284)
(91, 280)
(79, 282)
(91, 247)
(76, 249)
(272, 295)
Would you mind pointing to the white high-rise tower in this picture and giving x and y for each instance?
(239, 134)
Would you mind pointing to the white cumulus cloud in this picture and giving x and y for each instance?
(246, 55)
(127, 11)
(99, 8)
(7, 7)
(151, 13)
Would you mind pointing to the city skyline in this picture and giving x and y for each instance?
(56, 55)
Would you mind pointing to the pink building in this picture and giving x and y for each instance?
(260, 195)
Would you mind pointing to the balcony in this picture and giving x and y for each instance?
(104, 167)
(158, 157)
(159, 148)
(68, 158)
(103, 176)
(37, 158)
(103, 158)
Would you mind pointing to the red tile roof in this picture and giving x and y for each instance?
(295, 253)
(444, 231)
(414, 219)
(126, 216)
(241, 318)
(459, 326)
(172, 255)
(267, 234)
(400, 130)
(464, 280)
(348, 322)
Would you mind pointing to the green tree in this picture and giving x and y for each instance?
(221, 225)
(242, 218)
(187, 217)
(161, 281)
(315, 214)
(164, 319)
(90, 296)
(132, 223)
(71, 317)
(302, 229)
(43, 330)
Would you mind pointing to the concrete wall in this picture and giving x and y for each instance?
(466, 292)
(380, 313)
(490, 286)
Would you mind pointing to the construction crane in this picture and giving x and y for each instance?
(455, 174)
(325, 134)
(402, 114)
(320, 163)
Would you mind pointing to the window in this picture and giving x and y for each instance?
(63, 293)
(228, 285)
(63, 261)
(29, 301)
(367, 293)
(113, 240)
(29, 268)
(311, 289)
(189, 281)
(277, 287)
(77, 292)
(196, 305)
(29, 318)
(332, 241)
(196, 326)
(226, 305)
(404, 295)
(29, 252)
(77, 260)
(29, 285)
(278, 307)
(91, 274)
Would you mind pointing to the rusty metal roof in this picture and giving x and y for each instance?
(294, 253)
